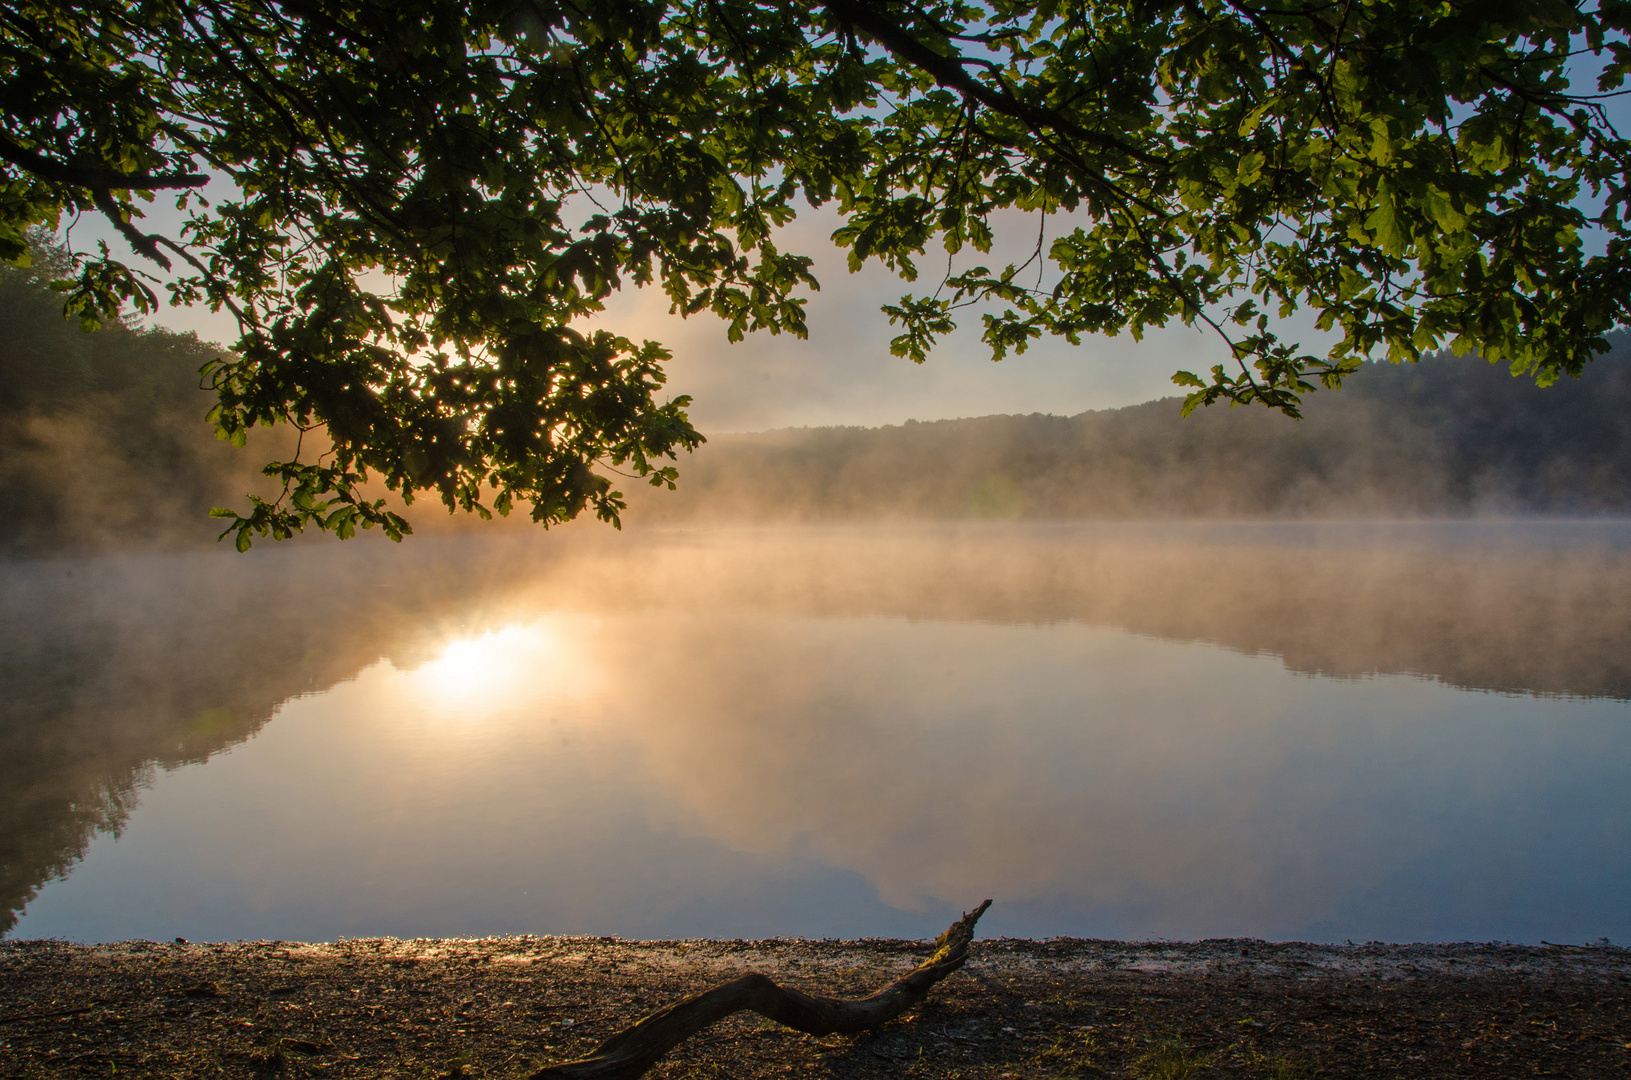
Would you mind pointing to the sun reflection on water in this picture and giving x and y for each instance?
(479, 676)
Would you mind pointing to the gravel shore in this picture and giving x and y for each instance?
(499, 1007)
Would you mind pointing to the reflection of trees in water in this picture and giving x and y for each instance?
(111, 669)
(1526, 607)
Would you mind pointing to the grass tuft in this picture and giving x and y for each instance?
(1068, 1055)
(1169, 1059)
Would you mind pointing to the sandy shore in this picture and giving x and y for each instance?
(1020, 1009)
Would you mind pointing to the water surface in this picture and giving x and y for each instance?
(1321, 732)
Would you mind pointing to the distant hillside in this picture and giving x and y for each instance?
(1447, 437)
(103, 436)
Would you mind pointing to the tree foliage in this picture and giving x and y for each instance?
(427, 198)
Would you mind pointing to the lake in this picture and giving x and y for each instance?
(1324, 732)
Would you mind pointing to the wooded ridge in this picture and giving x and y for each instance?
(1448, 437)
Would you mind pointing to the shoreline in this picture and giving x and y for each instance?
(1019, 1009)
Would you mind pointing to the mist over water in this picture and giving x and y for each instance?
(1316, 731)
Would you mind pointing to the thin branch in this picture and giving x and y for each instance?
(143, 243)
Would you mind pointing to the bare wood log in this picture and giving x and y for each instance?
(630, 1052)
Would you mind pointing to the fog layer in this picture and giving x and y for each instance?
(112, 668)
(1449, 437)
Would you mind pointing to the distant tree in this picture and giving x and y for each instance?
(425, 195)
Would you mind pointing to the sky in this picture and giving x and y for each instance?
(843, 373)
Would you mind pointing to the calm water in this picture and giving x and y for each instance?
(1395, 732)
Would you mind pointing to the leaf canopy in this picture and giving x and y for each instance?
(428, 198)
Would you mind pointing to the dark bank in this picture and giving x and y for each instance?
(503, 1007)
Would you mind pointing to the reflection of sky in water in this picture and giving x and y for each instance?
(742, 774)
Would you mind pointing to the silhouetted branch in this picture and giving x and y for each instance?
(94, 175)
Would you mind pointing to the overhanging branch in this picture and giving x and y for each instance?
(948, 72)
(95, 178)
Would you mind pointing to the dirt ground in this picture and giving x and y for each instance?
(499, 1007)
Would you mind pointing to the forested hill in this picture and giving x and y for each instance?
(1447, 437)
(103, 436)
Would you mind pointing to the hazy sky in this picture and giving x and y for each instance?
(843, 373)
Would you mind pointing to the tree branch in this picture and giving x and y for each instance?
(948, 72)
(630, 1052)
(141, 242)
(96, 178)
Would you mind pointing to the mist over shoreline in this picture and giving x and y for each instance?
(1450, 437)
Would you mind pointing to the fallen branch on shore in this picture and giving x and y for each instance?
(630, 1052)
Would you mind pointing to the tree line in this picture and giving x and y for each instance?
(1449, 436)
(103, 436)
(104, 444)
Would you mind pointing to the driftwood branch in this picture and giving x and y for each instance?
(632, 1051)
